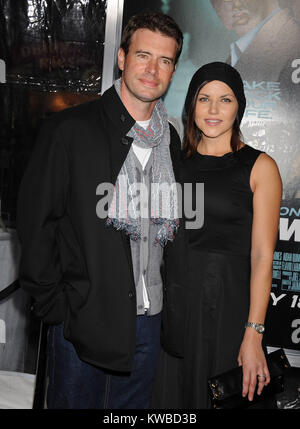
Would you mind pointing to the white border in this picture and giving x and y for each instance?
(113, 30)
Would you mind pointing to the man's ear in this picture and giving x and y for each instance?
(121, 59)
(174, 71)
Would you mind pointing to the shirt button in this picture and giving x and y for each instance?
(144, 238)
(122, 117)
(144, 272)
(130, 294)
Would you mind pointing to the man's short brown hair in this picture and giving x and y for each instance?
(155, 21)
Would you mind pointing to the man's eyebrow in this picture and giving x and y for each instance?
(140, 51)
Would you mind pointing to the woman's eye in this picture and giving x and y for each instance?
(203, 99)
(226, 100)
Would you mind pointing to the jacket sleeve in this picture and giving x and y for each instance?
(174, 273)
(41, 204)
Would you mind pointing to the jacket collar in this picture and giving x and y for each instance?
(117, 111)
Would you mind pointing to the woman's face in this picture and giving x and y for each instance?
(216, 109)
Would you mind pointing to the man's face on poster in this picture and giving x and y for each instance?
(240, 14)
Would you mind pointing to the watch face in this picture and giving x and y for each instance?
(260, 329)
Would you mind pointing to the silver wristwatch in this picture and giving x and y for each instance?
(257, 326)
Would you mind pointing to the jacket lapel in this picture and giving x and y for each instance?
(119, 123)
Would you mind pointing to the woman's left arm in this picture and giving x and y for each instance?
(266, 185)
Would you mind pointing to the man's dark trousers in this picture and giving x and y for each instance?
(74, 384)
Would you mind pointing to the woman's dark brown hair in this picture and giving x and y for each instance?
(193, 134)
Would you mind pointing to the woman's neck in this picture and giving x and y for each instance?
(214, 146)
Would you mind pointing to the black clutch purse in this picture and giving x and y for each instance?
(226, 389)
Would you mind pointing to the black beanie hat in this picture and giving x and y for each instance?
(218, 71)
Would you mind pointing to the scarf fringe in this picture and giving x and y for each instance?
(165, 234)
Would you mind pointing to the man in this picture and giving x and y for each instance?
(96, 277)
(268, 38)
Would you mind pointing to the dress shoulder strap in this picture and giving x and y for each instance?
(248, 155)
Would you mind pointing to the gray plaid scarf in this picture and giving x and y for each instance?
(124, 210)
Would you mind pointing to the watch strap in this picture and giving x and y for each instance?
(259, 327)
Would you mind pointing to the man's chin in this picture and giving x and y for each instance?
(148, 99)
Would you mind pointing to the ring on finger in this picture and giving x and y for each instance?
(261, 378)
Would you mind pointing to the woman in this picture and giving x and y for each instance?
(230, 258)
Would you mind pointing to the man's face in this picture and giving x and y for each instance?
(246, 11)
(236, 14)
(148, 67)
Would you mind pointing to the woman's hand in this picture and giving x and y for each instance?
(252, 358)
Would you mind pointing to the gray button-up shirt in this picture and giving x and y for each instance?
(146, 257)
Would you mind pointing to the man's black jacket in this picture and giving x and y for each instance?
(79, 271)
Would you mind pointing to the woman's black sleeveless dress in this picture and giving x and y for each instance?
(218, 286)
(219, 269)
